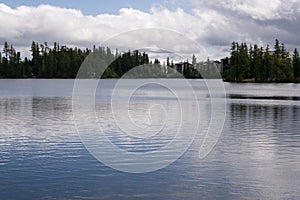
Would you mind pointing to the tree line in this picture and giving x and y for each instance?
(254, 63)
(61, 61)
(259, 64)
(56, 62)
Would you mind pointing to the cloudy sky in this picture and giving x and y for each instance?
(213, 24)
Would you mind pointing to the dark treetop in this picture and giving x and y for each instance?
(245, 64)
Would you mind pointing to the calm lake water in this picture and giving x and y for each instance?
(42, 156)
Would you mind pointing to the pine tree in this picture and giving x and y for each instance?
(257, 63)
(267, 63)
(194, 60)
(296, 64)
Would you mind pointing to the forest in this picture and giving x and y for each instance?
(245, 63)
(258, 64)
(60, 61)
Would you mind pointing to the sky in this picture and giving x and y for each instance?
(213, 24)
(95, 7)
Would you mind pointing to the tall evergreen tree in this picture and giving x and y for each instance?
(258, 64)
(267, 63)
(296, 64)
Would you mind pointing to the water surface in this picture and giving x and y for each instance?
(42, 156)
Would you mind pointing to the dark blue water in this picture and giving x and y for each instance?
(42, 156)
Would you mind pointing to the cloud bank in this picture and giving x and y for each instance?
(213, 24)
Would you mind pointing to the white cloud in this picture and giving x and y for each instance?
(257, 9)
(213, 24)
(255, 21)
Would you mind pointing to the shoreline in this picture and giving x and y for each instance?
(241, 82)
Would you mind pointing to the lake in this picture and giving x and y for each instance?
(42, 156)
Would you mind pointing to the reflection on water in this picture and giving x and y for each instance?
(41, 155)
(263, 143)
(291, 98)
